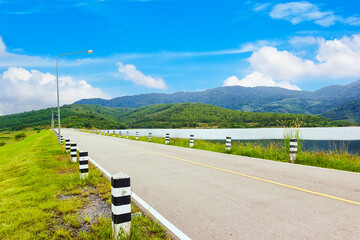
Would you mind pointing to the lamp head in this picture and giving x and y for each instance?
(90, 51)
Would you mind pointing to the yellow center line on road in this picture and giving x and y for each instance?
(243, 175)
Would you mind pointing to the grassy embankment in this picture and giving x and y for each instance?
(340, 160)
(42, 196)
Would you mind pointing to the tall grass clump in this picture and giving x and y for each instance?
(20, 136)
(292, 132)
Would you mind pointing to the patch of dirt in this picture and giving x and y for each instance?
(94, 208)
(65, 196)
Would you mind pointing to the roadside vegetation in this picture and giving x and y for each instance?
(42, 196)
(8, 137)
(338, 159)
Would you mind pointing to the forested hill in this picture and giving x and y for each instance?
(258, 99)
(349, 111)
(190, 115)
(71, 116)
(186, 115)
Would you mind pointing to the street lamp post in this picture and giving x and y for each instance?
(57, 87)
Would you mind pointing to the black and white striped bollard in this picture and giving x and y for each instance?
(61, 139)
(127, 134)
(137, 135)
(192, 140)
(67, 145)
(293, 149)
(167, 138)
(228, 143)
(114, 133)
(119, 133)
(73, 152)
(149, 137)
(120, 204)
(108, 132)
(84, 164)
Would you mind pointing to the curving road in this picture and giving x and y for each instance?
(210, 195)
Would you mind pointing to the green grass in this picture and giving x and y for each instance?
(340, 160)
(8, 137)
(34, 173)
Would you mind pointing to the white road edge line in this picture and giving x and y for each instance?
(171, 227)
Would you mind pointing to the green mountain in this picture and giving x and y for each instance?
(190, 115)
(349, 111)
(258, 99)
(185, 115)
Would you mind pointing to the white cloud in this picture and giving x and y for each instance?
(257, 79)
(129, 72)
(243, 48)
(261, 7)
(308, 40)
(353, 21)
(281, 65)
(338, 58)
(2, 47)
(9, 59)
(22, 90)
(298, 12)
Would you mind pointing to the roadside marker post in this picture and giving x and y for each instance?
(120, 204)
(293, 149)
(192, 138)
(137, 135)
(73, 152)
(228, 143)
(167, 138)
(108, 132)
(113, 133)
(127, 134)
(67, 145)
(119, 133)
(84, 164)
(149, 137)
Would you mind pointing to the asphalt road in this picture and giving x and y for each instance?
(210, 195)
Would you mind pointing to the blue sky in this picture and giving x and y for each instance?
(167, 46)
